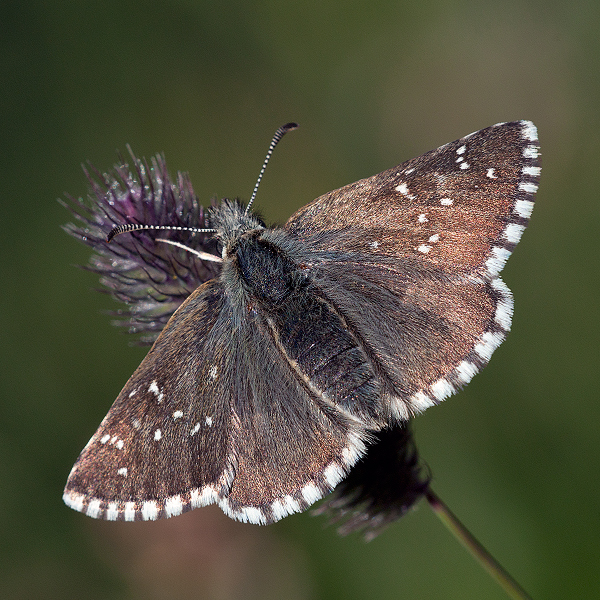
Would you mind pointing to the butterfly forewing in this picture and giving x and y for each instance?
(163, 437)
(410, 257)
(457, 207)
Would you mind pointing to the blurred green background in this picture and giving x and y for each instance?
(516, 455)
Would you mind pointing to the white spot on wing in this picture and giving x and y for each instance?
(530, 152)
(402, 188)
(74, 501)
(350, 455)
(105, 439)
(442, 388)
(353, 451)
(129, 512)
(435, 237)
(122, 471)
(504, 312)
(149, 510)
(489, 342)
(283, 508)
(465, 371)
(523, 208)
(93, 509)
(333, 474)
(291, 504)
(196, 429)
(400, 409)
(424, 248)
(247, 514)
(209, 421)
(311, 493)
(212, 372)
(530, 188)
(532, 171)
(446, 201)
(112, 512)
(251, 514)
(461, 150)
(177, 415)
(490, 174)
(464, 165)
(513, 232)
(495, 263)
(173, 506)
(156, 391)
(529, 131)
(504, 308)
(420, 401)
(157, 435)
(278, 509)
(203, 496)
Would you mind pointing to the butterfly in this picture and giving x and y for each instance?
(302, 343)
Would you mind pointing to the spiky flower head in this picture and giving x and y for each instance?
(151, 277)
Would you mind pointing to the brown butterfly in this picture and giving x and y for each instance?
(271, 379)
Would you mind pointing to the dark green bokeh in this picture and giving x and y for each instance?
(371, 84)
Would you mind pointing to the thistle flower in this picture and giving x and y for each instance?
(153, 278)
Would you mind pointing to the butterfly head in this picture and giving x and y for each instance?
(230, 222)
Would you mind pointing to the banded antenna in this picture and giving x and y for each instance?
(128, 227)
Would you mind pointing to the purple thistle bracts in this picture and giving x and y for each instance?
(151, 277)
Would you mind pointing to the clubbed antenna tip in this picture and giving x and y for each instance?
(278, 135)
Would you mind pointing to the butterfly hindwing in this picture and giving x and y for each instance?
(422, 349)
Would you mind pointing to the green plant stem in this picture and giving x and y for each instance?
(487, 561)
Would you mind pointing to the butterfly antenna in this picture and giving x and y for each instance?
(127, 227)
(278, 135)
